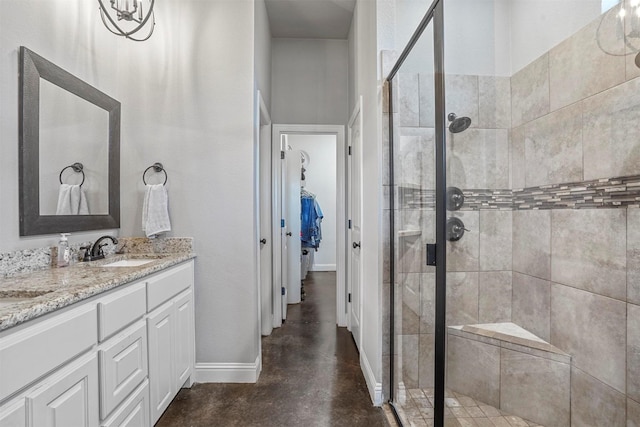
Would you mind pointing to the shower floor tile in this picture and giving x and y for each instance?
(460, 411)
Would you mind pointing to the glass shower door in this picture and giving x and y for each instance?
(413, 212)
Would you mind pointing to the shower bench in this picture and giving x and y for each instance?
(510, 368)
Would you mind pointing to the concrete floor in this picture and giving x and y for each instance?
(310, 376)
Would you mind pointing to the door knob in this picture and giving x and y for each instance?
(263, 241)
(356, 245)
(289, 233)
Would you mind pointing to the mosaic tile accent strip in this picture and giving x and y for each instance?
(602, 193)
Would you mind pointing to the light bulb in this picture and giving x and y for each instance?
(622, 13)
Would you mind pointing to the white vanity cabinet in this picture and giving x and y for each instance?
(98, 362)
(170, 328)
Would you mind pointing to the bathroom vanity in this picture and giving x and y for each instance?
(102, 343)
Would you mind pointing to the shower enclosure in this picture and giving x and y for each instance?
(514, 214)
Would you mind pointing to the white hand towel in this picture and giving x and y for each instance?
(72, 200)
(64, 200)
(155, 211)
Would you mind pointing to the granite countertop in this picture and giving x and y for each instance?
(26, 296)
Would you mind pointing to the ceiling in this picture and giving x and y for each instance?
(310, 19)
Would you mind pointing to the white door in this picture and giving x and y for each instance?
(264, 203)
(293, 167)
(354, 277)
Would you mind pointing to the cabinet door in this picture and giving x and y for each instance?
(68, 398)
(123, 366)
(13, 414)
(160, 334)
(184, 337)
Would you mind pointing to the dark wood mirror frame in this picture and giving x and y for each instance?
(32, 68)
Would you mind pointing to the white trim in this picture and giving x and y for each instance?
(375, 388)
(228, 372)
(341, 208)
(323, 267)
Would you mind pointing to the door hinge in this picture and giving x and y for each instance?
(283, 290)
(282, 155)
(349, 297)
(349, 150)
(349, 224)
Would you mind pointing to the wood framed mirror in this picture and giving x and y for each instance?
(74, 138)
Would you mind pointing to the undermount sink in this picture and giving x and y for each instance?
(128, 263)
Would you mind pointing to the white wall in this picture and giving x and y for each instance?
(187, 101)
(539, 25)
(262, 40)
(321, 180)
(310, 83)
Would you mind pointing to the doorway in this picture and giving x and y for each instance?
(322, 154)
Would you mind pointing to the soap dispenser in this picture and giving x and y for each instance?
(64, 253)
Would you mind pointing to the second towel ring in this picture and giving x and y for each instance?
(158, 168)
(77, 167)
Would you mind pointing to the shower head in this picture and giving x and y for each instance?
(458, 124)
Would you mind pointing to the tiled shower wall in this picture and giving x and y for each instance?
(571, 276)
(575, 271)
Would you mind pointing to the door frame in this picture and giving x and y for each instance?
(341, 209)
(357, 112)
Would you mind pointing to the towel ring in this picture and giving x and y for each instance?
(77, 167)
(158, 168)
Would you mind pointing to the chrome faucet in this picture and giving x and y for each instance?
(95, 252)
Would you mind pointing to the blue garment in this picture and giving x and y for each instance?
(310, 220)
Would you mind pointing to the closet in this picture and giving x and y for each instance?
(310, 228)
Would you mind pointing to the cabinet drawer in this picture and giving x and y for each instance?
(162, 287)
(134, 412)
(121, 309)
(123, 366)
(34, 351)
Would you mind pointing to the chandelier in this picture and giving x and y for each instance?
(127, 17)
(618, 33)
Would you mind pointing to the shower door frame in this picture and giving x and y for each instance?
(435, 15)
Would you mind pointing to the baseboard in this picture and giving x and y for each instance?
(228, 372)
(323, 267)
(375, 388)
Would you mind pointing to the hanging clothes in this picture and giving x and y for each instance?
(311, 219)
